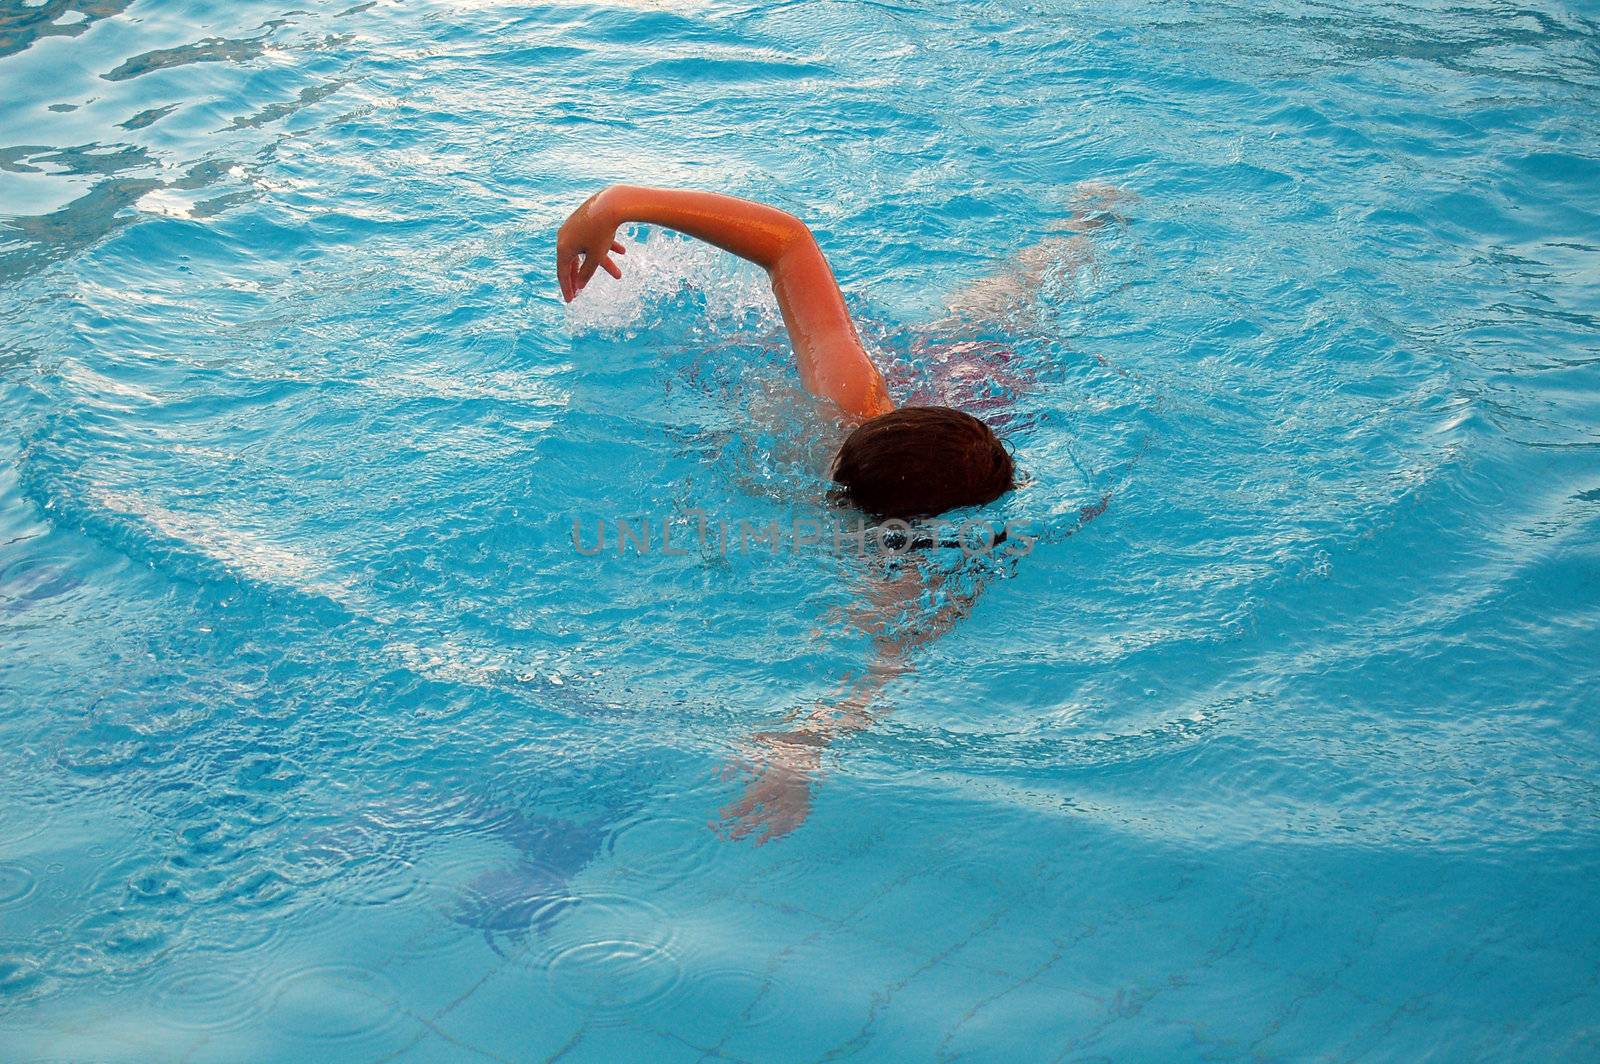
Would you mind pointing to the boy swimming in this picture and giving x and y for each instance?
(896, 464)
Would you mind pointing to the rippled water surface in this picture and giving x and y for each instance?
(320, 741)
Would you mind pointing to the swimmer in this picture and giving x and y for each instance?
(895, 464)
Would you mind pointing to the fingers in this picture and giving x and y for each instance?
(739, 820)
(591, 263)
(574, 269)
(575, 277)
(780, 825)
(566, 276)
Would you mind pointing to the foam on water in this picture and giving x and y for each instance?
(661, 267)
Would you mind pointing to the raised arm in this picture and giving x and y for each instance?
(832, 362)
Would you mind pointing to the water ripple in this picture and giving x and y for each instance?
(17, 882)
(332, 1003)
(610, 956)
(211, 1000)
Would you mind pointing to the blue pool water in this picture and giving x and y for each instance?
(320, 741)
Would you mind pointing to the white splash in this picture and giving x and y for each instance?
(658, 267)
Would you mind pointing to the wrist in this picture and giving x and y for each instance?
(610, 205)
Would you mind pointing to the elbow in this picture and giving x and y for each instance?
(794, 230)
(790, 238)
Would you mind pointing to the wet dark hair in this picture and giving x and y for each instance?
(919, 461)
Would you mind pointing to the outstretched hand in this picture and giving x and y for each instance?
(777, 798)
(586, 242)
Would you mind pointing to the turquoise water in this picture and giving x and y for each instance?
(320, 741)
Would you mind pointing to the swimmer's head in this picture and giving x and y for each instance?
(919, 461)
